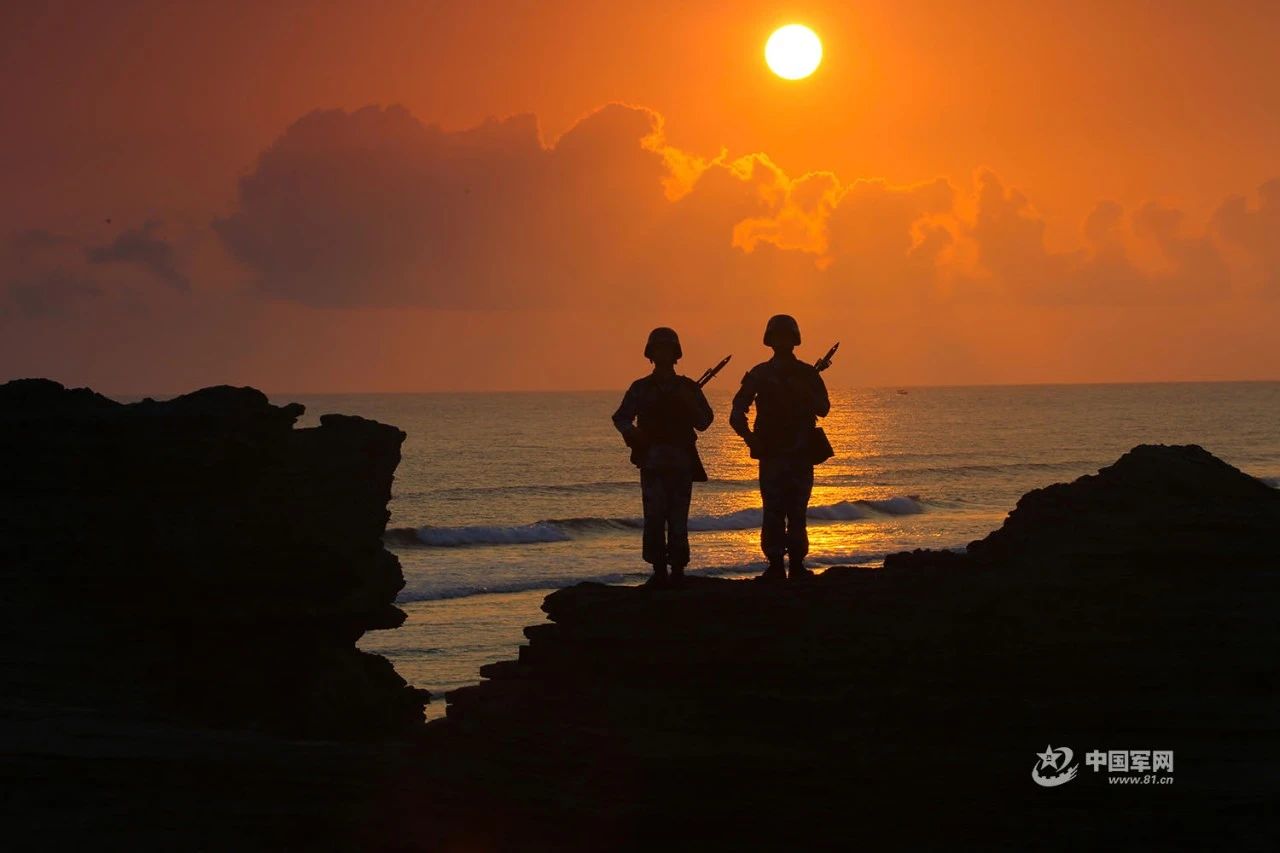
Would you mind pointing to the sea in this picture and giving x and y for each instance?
(501, 498)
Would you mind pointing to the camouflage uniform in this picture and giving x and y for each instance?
(668, 459)
(666, 493)
(789, 396)
(786, 481)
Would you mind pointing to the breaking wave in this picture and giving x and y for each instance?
(598, 487)
(433, 591)
(565, 529)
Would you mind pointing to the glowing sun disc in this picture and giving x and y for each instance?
(793, 52)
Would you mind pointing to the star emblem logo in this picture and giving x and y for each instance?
(1050, 757)
(1054, 767)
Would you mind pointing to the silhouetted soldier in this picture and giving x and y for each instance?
(789, 396)
(658, 418)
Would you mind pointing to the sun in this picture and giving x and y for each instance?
(793, 52)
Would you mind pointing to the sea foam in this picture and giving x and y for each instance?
(565, 529)
(428, 590)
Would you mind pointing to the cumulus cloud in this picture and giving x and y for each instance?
(40, 279)
(57, 294)
(1009, 236)
(1252, 232)
(1193, 268)
(30, 243)
(142, 248)
(46, 274)
(375, 208)
(797, 210)
(372, 207)
(524, 262)
(891, 238)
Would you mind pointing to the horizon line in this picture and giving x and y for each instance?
(890, 386)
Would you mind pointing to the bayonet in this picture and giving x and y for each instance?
(711, 372)
(825, 362)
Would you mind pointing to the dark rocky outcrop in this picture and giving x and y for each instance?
(198, 558)
(1133, 609)
(1155, 503)
(901, 707)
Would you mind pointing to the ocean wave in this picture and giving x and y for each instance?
(1273, 482)
(534, 489)
(414, 592)
(561, 488)
(565, 529)
(551, 530)
(432, 592)
(911, 472)
(483, 534)
(747, 519)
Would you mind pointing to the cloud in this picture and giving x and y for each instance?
(891, 240)
(1011, 255)
(43, 276)
(140, 247)
(693, 254)
(1009, 234)
(57, 294)
(374, 208)
(51, 275)
(798, 209)
(30, 243)
(1253, 233)
(1193, 268)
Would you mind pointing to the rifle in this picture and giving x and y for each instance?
(710, 372)
(819, 446)
(825, 362)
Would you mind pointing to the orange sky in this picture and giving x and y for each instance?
(417, 196)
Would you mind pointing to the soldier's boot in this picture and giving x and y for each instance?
(798, 571)
(677, 576)
(659, 578)
(775, 572)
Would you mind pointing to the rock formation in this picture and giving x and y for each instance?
(1132, 609)
(1155, 503)
(203, 556)
(199, 557)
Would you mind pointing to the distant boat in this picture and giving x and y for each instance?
(902, 391)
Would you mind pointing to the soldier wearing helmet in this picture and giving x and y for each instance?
(789, 396)
(659, 419)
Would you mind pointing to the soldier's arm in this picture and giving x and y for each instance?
(821, 401)
(741, 405)
(702, 414)
(624, 420)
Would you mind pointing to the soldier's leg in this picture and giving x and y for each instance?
(679, 493)
(800, 487)
(654, 547)
(773, 540)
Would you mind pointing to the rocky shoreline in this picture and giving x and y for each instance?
(1131, 609)
(186, 581)
(199, 559)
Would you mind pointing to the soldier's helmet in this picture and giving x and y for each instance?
(662, 335)
(782, 330)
